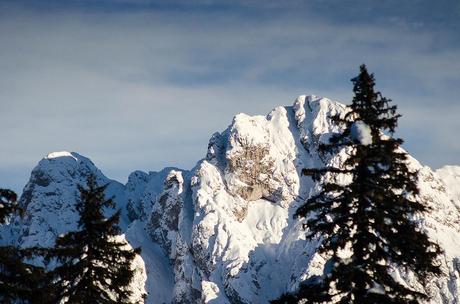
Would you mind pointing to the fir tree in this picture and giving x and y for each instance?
(20, 282)
(371, 216)
(93, 266)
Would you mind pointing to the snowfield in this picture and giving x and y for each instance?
(223, 232)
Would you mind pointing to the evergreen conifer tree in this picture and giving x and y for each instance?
(20, 282)
(93, 266)
(371, 216)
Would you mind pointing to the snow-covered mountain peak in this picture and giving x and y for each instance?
(64, 166)
(244, 195)
(55, 160)
(223, 232)
(51, 193)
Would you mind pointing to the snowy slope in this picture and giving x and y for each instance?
(450, 176)
(223, 232)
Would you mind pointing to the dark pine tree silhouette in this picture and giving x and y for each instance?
(369, 216)
(20, 282)
(93, 266)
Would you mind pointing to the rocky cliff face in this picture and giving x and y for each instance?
(223, 232)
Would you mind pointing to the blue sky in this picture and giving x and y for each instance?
(144, 84)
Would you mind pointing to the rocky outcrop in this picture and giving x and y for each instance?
(141, 190)
(252, 168)
(166, 227)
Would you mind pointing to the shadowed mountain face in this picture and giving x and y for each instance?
(223, 232)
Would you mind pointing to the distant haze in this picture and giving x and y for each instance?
(144, 84)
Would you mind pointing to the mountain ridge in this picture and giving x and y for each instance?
(223, 231)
